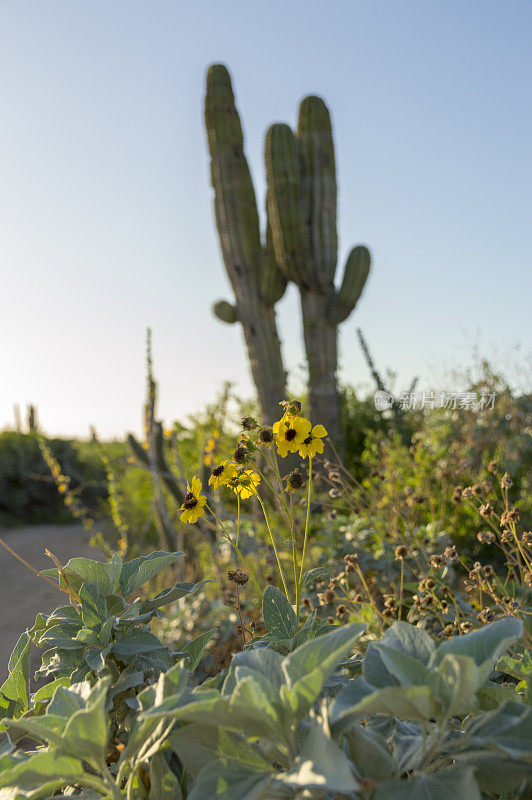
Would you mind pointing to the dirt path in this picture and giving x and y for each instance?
(23, 594)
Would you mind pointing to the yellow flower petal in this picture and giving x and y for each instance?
(319, 430)
(195, 485)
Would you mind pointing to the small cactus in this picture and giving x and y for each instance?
(301, 203)
(255, 277)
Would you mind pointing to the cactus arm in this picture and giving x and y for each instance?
(287, 204)
(356, 273)
(317, 149)
(254, 274)
(235, 205)
(225, 311)
(273, 282)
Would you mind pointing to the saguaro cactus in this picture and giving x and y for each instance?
(301, 204)
(255, 277)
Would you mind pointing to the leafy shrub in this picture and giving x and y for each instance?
(27, 492)
(405, 717)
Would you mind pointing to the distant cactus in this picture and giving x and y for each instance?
(33, 424)
(255, 277)
(301, 205)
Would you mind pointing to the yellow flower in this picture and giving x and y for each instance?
(290, 433)
(244, 483)
(193, 502)
(313, 443)
(222, 474)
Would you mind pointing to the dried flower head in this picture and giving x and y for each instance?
(294, 481)
(486, 509)
(457, 495)
(238, 577)
(510, 517)
(401, 552)
(506, 481)
(241, 454)
(291, 407)
(450, 553)
(249, 423)
(265, 435)
(351, 558)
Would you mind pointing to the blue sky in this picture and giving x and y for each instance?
(106, 206)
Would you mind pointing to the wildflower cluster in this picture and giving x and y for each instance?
(244, 472)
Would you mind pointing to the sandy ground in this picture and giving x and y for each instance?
(23, 594)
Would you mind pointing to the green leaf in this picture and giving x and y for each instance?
(209, 743)
(341, 712)
(454, 783)
(95, 658)
(164, 784)
(370, 753)
(41, 767)
(416, 702)
(93, 606)
(197, 744)
(308, 667)
(227, 780)
(175, 592)
(65, 703)
(15, 691)
(455, 684)
(312, 576)
(86, 570)
(279, 616)
(136, 640)
(86, 733)
(137, 572)
(194, 650)
(412, 643)
(507, 730)
(321, 764)
(251, 704)
(265, 662)
(48, 728)
(47, 691)
(497, 774)
(408, 671)
(485, 645)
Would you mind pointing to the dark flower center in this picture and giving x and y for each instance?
(290, 434)
(189, 500)
(308, 440)
(218, 470)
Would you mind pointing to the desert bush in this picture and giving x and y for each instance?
(404, 716)
(27, 492)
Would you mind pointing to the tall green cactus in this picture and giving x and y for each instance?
(301, 204)
(255, 277)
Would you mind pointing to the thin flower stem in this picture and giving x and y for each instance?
(366, 587)
(294, 560)
(237, 518)
(36, 571)
(401, 588)
(277, 471)
(305, 537)
(235, 547)
(274, 545)
(240, 614)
